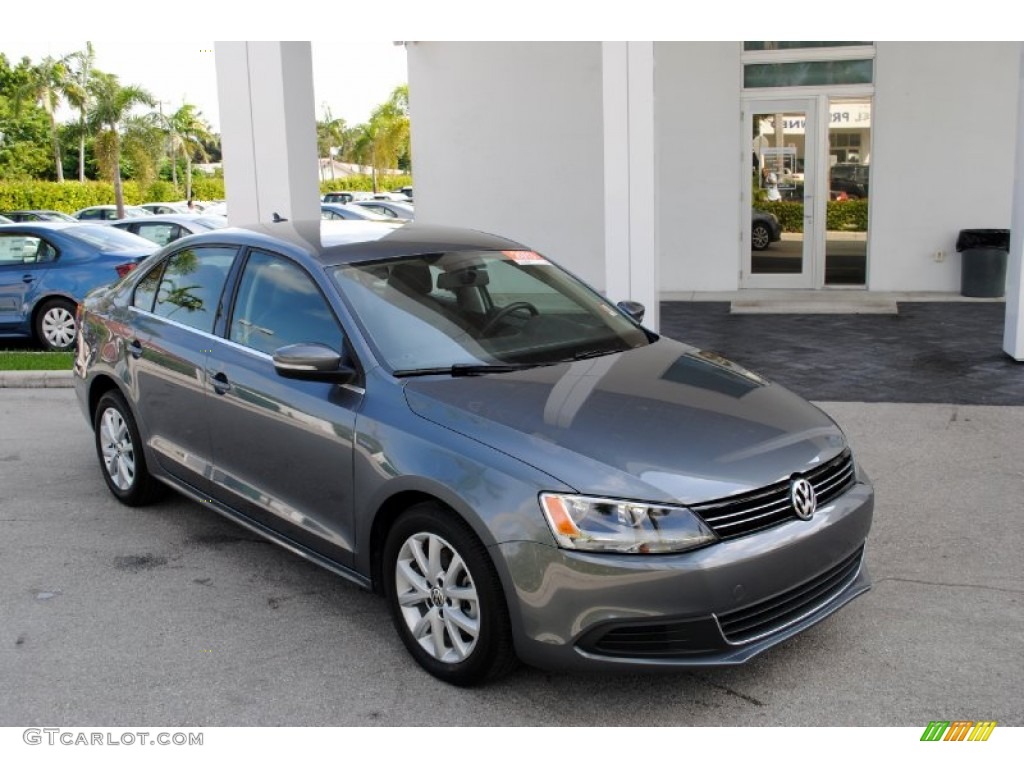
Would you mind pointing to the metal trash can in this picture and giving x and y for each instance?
(984, 253)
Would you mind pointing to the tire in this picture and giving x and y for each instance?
(55, 325)
(454, 623)
(119, 448)
(760, 237)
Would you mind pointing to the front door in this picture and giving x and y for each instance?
(283, 448)
(782, 148)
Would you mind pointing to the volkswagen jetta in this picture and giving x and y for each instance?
(447, 417)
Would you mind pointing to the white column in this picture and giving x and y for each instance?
(268, 131)
(1013, 332)
(631, 259)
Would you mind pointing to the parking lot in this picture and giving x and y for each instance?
(171, 614)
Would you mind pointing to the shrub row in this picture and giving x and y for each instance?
(72, 195)
(848, 215)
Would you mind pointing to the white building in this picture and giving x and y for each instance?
(563, 146)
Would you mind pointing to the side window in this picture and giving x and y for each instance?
(190, 288)
(279, 304)
(161, 234)
(145, 289)
(22, 249)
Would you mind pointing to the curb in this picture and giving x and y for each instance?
(35, 379)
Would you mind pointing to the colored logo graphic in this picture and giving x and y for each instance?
(958, 730)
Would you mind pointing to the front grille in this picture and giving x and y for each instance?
(766, 507)
(778, 612)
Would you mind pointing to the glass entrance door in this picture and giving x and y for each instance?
(779, 247)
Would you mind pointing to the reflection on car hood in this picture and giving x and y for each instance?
(664, 422)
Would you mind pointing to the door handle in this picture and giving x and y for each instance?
(135, 347)
(220, 382)
(28, 278)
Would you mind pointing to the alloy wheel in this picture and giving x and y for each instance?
(117, 449)
(437, 597)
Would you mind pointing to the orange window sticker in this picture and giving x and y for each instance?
(526, 258)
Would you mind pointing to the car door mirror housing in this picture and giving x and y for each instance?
(313, 362)
(634, 309)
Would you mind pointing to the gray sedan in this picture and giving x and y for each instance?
(519, 467)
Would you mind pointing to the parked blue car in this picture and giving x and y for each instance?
(46, 268)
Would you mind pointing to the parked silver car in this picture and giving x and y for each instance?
(446, 417)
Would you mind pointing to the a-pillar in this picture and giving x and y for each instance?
(630, 251)
(268, 131)
(1013, 333)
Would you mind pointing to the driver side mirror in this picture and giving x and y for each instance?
(634, 309)
(312, 362)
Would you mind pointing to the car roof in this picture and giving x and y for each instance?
(162, 218)
(348, 242)
(44, 225)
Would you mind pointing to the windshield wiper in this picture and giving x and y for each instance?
(466, 369)
(586, 354)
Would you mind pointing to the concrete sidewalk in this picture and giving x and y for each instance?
(35, 379)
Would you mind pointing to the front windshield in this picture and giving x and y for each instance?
(481, 308)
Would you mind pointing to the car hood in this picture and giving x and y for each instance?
(665, 422)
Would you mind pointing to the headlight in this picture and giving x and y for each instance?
(612, 525)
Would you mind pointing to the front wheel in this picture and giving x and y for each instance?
(55, 325)
(445, 597)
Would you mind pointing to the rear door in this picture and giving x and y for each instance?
(174, 309)
(25, 259)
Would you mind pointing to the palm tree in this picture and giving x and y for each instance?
(187, 131)
(47, 85)
(112, 106)
(330, 134)
(384, 139)
(78, 96)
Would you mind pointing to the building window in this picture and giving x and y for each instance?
(854, 71)
(790, 45)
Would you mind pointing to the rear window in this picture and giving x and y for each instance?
(107, 238)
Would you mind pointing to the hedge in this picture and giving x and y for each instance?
(846, 215)
(73, 195)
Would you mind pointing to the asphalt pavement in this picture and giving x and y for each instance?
(171, 614)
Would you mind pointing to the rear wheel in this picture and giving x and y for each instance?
(119, 449)
(445, 597)
(55, 325)
(760, 237)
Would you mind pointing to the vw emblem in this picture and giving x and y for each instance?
(801, 494)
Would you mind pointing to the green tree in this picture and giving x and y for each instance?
(79, 96)
(188, 134)
(112, 107)
(48, 84)
(385, 138)
(24, 129)
(331, 135)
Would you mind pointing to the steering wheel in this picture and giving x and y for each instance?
(504, 312)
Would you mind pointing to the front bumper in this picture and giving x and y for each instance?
(719, 605)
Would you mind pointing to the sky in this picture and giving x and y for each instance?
(350, 77)
(356, 64)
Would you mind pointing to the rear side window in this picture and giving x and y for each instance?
(145, 290)
(191, 286)
(161, 234)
